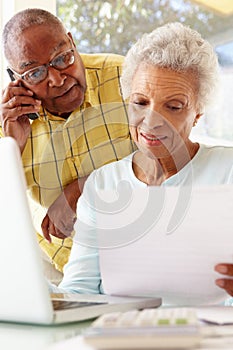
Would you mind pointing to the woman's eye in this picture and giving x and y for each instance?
(175, 108)
(140, 103)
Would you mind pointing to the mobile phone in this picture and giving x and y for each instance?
(31, 116)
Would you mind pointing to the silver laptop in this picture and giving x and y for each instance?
(24, 294)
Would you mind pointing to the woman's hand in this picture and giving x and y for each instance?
(225, 282)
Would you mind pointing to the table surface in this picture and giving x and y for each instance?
(59, 337)
(23, 337)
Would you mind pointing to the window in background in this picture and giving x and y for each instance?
(7, 10)
(113, 25)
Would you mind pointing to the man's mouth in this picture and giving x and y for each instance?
(63, 93)
(68, 90)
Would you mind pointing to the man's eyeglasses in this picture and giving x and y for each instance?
(38, 74)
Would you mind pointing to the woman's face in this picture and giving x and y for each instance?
(162, 110)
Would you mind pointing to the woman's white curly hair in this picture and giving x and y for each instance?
(177, 47)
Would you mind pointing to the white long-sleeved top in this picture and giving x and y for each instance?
(212, 165)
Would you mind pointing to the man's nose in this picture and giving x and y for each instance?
(55, 77)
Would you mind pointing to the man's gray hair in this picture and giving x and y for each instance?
(179, 48)
(23, 20)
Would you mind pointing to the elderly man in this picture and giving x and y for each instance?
(81, 122)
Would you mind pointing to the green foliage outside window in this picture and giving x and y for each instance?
(113, 25)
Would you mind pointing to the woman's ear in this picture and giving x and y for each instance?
(197, 118)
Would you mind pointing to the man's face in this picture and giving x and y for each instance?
(61, 91)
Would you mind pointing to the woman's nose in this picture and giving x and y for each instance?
(152, 119)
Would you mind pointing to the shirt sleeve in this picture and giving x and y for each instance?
(82, 273)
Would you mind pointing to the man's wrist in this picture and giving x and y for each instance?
(73, 191)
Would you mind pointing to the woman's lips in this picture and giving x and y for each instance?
(152, 140)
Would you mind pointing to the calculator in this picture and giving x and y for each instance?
(163, 328)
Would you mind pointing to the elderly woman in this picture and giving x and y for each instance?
(169, 76)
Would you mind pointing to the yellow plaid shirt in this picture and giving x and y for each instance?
(59, 151)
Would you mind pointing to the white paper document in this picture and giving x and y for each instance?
(173, 256)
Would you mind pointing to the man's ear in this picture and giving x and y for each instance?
(71, 38)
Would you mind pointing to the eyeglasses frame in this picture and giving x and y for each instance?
(12, 72)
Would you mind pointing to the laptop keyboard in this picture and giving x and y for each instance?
(67, 304)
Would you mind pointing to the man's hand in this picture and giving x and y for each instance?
(17, 102)
(225, 283)
(61, 216)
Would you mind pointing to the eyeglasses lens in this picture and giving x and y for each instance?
(63, 61)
